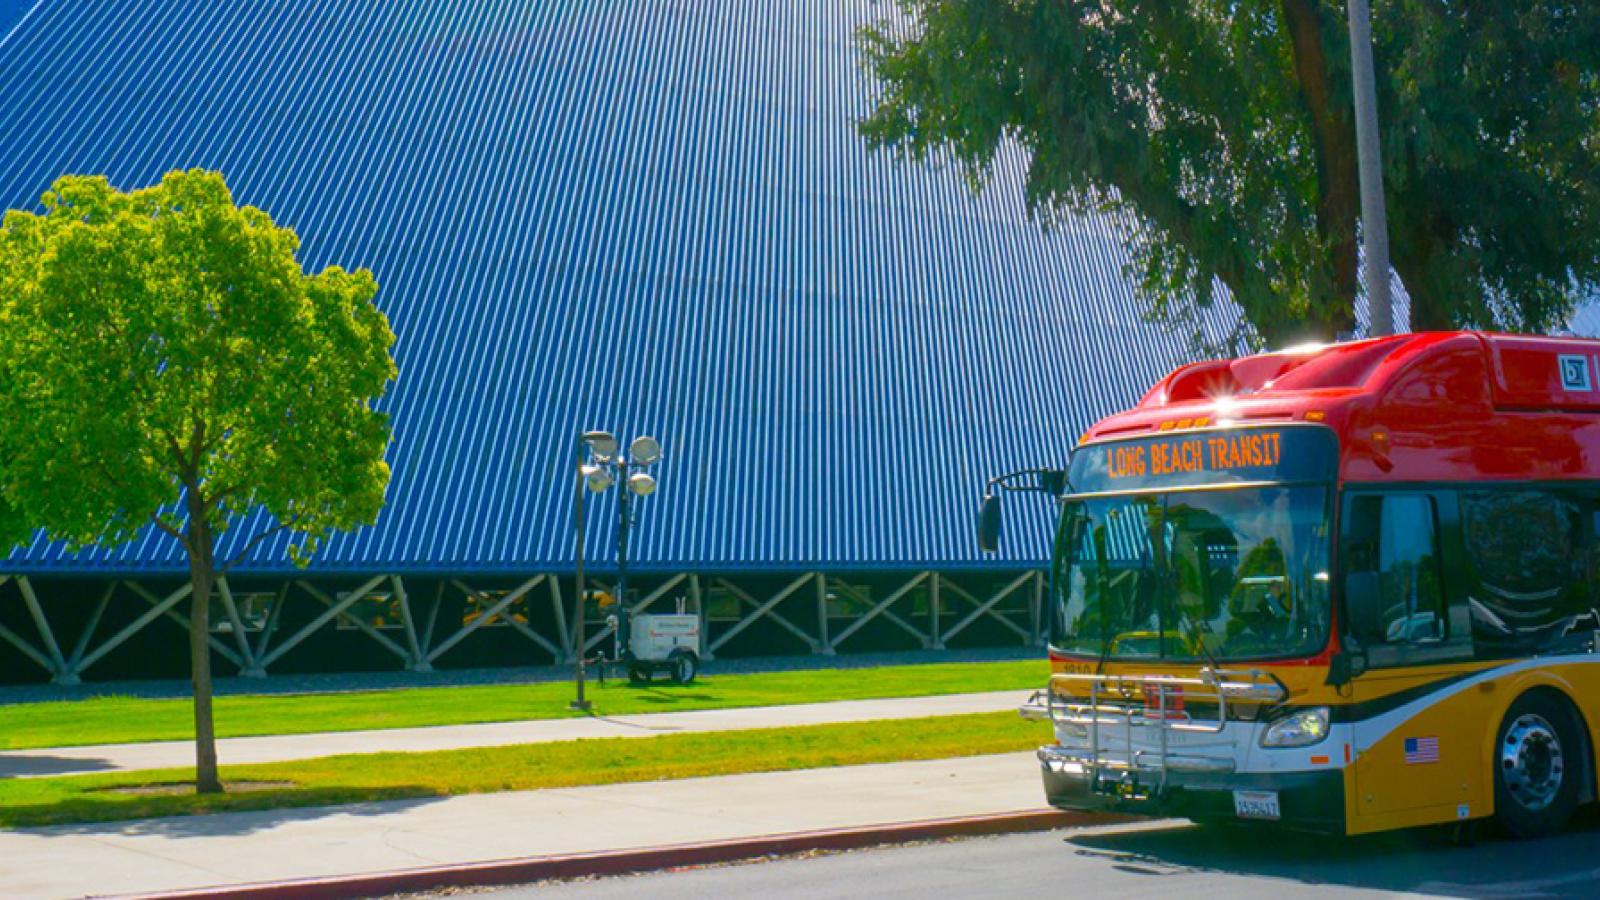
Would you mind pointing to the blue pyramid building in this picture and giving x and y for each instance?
(653, 218)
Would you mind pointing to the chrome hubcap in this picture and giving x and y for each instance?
(1531, 762)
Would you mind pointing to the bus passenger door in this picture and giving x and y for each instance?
(1413, 759)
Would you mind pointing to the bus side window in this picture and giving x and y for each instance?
(1408, 559)
(1391, 550)
(1526, 592)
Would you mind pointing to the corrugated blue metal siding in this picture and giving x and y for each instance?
(11, 12)
(653, 217)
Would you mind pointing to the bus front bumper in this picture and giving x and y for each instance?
(1194, 789)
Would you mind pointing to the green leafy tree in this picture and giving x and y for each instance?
(1220, 133)
(165, 362)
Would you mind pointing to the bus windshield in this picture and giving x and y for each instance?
(1187, 576)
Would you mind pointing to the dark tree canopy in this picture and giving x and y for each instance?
(1224, 130)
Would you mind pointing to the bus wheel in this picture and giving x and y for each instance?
(1536, 762)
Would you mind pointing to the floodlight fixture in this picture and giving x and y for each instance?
(598, 477)
(601, 443)
(644, 451)
(642, 484)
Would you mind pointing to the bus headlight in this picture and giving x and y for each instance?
(1301, 729)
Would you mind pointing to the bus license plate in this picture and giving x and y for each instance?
(1256, 804)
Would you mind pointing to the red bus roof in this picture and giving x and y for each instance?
(1430, 406)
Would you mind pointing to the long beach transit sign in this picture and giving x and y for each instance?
(1214, 456)
(1228, 452)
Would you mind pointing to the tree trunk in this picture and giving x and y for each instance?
(202, 575)
(1338, 181)
(1435, 302)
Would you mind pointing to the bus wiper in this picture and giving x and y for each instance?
(1201, 629)
(1195, 630)
(1106, 639)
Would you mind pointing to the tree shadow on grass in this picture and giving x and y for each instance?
(25, 765)
(229, 815)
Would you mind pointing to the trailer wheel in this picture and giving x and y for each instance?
(1537, 766)
(685, 666)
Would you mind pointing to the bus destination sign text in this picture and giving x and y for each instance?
(1221, 453)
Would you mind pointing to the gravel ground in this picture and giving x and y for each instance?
(379, 681)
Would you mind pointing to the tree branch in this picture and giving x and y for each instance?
(156, 520)
(253, 543)
(172, 446)
(197, 443)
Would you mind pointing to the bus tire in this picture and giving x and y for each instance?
(1538, 766)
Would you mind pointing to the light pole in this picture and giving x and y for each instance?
(643, 453)
(1374, 225)
(599, 466)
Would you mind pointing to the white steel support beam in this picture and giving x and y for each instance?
(527, 631)
(593, 586)
(1026, 616)
(853, 593)
(986, 608)
(696, 595)
(343, 612)
(182, 621)
(237, 624)
(27, 649)
(274, 614)
(417, 662)
(881, 607)
(58, 663)
(826, 648)
(134, 627)
(773, 614)
(560, 613)
(488, 615)
(505, 602)
(658, 593)
(768, 609)
(75, 662)
(425, 639)
(331, 613)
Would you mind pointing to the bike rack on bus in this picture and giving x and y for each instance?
(1124, 701)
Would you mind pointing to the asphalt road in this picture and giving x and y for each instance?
(1166, 859)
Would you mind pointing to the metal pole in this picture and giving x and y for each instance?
(580, 704)
(624, 522)
(1374, 225)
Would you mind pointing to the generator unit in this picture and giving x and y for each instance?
(659, 643)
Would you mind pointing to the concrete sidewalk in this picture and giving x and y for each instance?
(236, 751)
(214, 850)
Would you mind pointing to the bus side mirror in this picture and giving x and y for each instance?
(1053, 481)
(1363, 605)
(989, 523)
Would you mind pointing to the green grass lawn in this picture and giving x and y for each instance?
(387, 776)
(115, 720)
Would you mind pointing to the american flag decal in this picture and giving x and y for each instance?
(1422, 750)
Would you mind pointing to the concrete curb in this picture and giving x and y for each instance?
(616, 862)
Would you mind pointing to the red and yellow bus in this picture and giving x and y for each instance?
(1347, 588)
